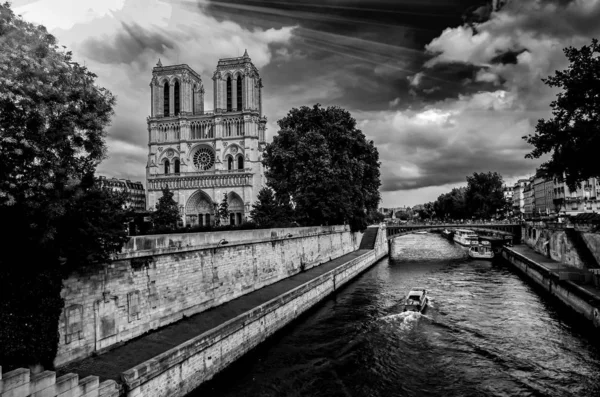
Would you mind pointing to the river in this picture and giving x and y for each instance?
(486, 332)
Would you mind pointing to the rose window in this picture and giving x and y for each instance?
(204, 158)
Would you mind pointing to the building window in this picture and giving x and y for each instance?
(229, 105)
(166, 97)
(176, 99)
(176, 166)
(167, 166)
(239, 93)
(229, 163)
(240, 161)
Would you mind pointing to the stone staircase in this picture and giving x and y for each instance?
(368, 239)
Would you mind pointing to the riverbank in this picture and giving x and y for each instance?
(175, 359)
(567, 283)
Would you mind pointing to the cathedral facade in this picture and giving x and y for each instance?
(204, 156)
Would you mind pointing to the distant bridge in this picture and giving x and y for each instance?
(494, 229)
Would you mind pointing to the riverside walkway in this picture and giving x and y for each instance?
(563, 271)
(111, 364)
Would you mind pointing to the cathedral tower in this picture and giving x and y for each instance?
(201, 155)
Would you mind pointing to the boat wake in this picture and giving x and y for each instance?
(406, 320)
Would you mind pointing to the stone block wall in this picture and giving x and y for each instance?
(592, 241)
(553, 243)
(183, 368)
(157, 280)
(21, 383)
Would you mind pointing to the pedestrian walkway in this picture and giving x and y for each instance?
(111, 364)
(556, 267)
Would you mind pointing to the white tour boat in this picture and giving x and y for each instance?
(416, 300)
(465, 237)
(483, 250)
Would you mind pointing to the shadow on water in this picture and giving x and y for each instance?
(486, 332)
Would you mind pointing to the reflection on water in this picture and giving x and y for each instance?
(485, 332)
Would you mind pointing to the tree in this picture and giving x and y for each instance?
(451, 205)
(52, 129)
(167, 211)
(573, 134)
(324, 165)
(374, 217)
(427, 211)
(484, 195)
(223, 212)
(268, 212)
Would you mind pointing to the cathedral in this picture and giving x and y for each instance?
(204, 156)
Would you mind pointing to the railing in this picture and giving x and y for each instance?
(200, 173)
(509, 228)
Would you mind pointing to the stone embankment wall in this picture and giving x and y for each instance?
(183, 368)
(553, 240)
(157, 280)
(571, 294)
(21, 383)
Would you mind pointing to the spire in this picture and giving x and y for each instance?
(246, 54)
(159, 64)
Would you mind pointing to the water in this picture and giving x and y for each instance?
(486, 332)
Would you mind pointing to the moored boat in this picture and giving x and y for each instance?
(483, 250)
(465, 237)
(495, 242)
(447, 233)
(416, 301)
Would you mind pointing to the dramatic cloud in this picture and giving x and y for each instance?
(445, 88)
(442, 144)
(509, 51)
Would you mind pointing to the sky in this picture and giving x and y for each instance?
(444, 88)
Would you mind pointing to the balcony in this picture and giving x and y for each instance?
(180, 116)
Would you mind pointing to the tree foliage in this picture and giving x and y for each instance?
(572, 136)
(268, 212)
(52, 130)
(427, 211)
(451, 205)
(324, 165)
(484, 196)
(223, 211)
(167, 214)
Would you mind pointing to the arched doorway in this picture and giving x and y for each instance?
(199, 210)
(236, 208)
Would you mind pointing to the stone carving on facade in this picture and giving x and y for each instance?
(234, 149)
(160, 149)
(224, 144)
(189, 145)
(170, 152)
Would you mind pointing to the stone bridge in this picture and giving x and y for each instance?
(493, 229)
